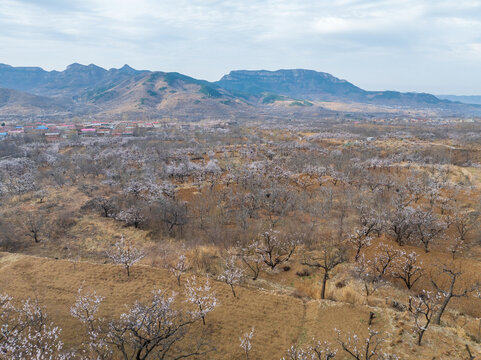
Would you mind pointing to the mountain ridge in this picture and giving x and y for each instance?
(283, 92)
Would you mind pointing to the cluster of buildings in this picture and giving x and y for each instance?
(55, 132)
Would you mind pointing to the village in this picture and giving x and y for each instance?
(57, 132)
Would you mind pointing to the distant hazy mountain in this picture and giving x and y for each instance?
(284, 93)
(466, 99)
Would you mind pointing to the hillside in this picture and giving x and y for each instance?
(224, 200)
(12, 101)
(166, 94)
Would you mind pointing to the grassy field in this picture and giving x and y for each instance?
(279, 319)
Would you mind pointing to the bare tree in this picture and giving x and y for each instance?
(146, 331)
(245, 342)
(232, 274)
(125, 254)
(274, 249)
(408, 268)
(202, 297)
(316, 351)
(359, 241)
(250, 258)
(106, 206)
(330, 255)
(457, 246)
(401, 223)
(173, 213)
(34, 226)
(463, 222)
(384, 259)
(277, 202)
(179, 268)
(450, 292)
(25, 332)
(423, 307)
(133, 216)
(367, 349)
(428, 227)
(365, 271)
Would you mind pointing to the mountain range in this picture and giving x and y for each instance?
(90, 89)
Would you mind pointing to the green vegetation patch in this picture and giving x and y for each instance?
(209, 91)
(301, 103)
(272, 98)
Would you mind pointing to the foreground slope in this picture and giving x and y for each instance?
(280, 320)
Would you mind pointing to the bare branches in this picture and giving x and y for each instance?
(274, 250)
(179, 268)
(450, 292)
(428, 227)
(401, 223)
(423, 307)
(146, 331)
(25, 332)
(34, 226)
(367, 349)
(250, 258)
(133, 216)
(408, 268)
(316, 351)
(125, 254)
(359, 240)
(232, 274)
(85, 309)
(330, 255)
(365, 271)
(202, 297)
(245, 342)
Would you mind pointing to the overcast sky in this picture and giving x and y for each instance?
(409, 45)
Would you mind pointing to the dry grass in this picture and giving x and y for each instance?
(279, 320)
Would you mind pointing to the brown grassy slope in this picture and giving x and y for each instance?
(279, 320)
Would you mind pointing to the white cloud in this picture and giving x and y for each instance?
(406, 44)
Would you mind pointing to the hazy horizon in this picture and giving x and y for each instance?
(415, 46)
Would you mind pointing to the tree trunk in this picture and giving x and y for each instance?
(420, 337)
(426, 247)
(324, 281)
(437, 317)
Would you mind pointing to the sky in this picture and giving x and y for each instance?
(410, 45)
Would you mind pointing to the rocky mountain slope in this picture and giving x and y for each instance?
(319, 86)
(241, 94)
